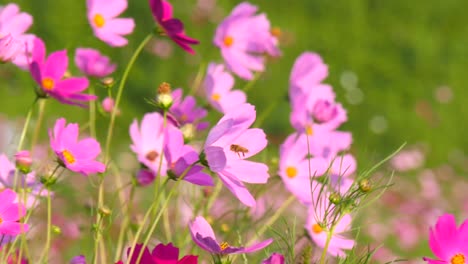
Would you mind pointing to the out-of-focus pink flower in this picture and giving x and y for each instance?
(102, 16)
(204, 237)
(161, 48)
(80, 259)
(318, 228)
(308, 70)
(9, 48)
(108, 105)
(172, 27)
(48, 73)
(186, 111)
(145, 177)
(407, 160)
(11, 213)
(227, 147)
(76, 155)
(23, 160)
(181, 159)
(407, 233)
(243, 38)
(275, 258)
(16, 23)
(92, 63)
(147, 141)
(448, 242)
(218, 88)
(161, 254)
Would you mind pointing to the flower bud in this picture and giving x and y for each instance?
(56, 230)
(108, 105)
(165, 101)
(164, 88)
(105, 211)
(108, 82)
(188, 130)
(334, 198)
(23, 161)
(145, 177)
(324, 111)
(365, 185)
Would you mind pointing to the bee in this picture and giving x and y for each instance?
(239, 149)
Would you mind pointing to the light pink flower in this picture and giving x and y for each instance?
(76, 155)
(318, 227)
(10, 214)
(148, 140)
(48, 73)
(243, 37)
(218, 88)
(9, 48)
(308, 70)
(92, 63)
(102, 17)
(227, 147)
(448, 242)
(16, 23)
(203, 235)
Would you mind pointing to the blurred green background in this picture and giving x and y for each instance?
(399, 67)
(388, 61)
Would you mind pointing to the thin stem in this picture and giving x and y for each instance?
(119, 95)
(92, 114)
(37, 129)
(45, 252)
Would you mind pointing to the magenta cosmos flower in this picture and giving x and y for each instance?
(172, 27)
(218, 87)
(275, 258)
(204, 237)
(77, 156)
(92, 63)
(448, 242)
(148, 140)
(16, 23)
(161, 254)
(185, 110)
(318, 228)
(227, 147)
(10, 214)
(48, 73)
(180, 159)
(243, 38)
(102, 17)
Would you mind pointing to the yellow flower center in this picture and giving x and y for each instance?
(68, 157)
(291, 172)
(99, 20)
(1, 220)
(224, 245)
(309, 130)
(228, 41)
(317, 229)
(276, 31)
(458, 259)
(48, 83)
(216, 97)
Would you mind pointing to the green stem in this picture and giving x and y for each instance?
(325, 248)
(251, 83)
(119, 95)
(37, 129)
(92, 113)
(45, 252)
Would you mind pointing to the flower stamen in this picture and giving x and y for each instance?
(224, 245)
(317, 229)
(216, 97)
(48, 83)
(152, 155)
(291, 172)
(228, 41)
(99, 20)
(68, 156)
(458, 259)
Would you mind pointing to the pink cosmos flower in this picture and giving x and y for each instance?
(186, 111)
(317, 229)
(275, 258)
(77, 156)
(308, 70)
(448, 242)
(243, 37)
(181, 157)
(80, 259)
(204, 237)
(218, 88)
(9, 48)
(48, 73)
(227, 147)
(102, 17)
(16, 23)
(161, 254)
(92, 63)
(10, 214)
(172, 27)
(145, 177)
(148, 140)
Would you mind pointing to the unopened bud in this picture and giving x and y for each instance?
(145, 177)
(23, 161)
(365, 185)
(48, 181)
(105, 211)
(334, 198)
(108, 82)
(108, 105)
(164, 88)
(56, 230)
(165, 101)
